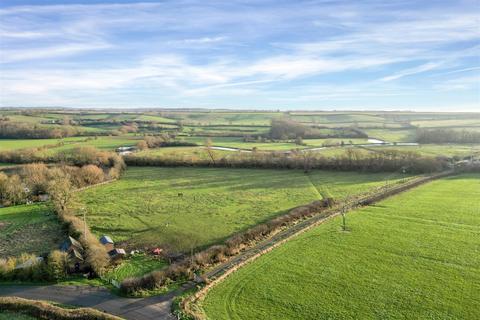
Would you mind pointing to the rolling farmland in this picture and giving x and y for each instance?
(414, 255)
(195, 207)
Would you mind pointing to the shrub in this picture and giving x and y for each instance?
(57, 265)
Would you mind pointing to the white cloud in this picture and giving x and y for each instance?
(412, 71)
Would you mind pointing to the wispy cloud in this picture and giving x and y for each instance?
(408, 72)
(191, 52)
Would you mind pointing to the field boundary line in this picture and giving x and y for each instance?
(95, 185)
(190, 305)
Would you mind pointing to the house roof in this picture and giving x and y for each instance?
(105, 240)
(116, 252)
(71, 242)
(76, 254)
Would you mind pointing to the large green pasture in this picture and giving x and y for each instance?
(237, 142)
(12, 144)
(412, 256)
(194, 207)
(28, 228)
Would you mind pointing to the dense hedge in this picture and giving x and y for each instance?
(447, 136)
(78, 156)
(45, 310)
(17, 130)
(381, 161)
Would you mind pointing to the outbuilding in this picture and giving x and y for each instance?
(117, 253)
(107, 242)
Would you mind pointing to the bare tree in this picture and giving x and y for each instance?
(208, 147)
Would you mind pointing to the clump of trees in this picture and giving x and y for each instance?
(447, 136)
(285, 129)
(36, 179)
(18, 130)
(162, 140)
(80, 156)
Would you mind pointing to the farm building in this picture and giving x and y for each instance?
(75, 252)
(107, 242)
(116, 253)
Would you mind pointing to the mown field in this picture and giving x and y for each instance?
(195, 207)
(412, 256)
(30, 229)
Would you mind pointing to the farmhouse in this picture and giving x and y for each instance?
(107, 242)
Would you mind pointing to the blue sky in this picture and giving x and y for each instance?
(392, 55)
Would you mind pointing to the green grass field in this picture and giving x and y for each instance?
(412, 256)
(432, 150)
(144, 208)
(237, 142)
(28, 228)
(184, 153)
(397, 135)
(12, 144)
(134, 266)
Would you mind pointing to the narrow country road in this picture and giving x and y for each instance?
(156, 307)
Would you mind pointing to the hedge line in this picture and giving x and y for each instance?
(382, 161)
(45, 310)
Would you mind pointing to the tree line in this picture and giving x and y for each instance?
(284, 129)
(162, 140)
(79, 156)
(447, 136)
(36, 179)
(351, 160)
(18, 130)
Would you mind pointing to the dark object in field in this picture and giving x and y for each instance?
(117, 253)
(180, 194)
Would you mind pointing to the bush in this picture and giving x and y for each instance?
(57, 265)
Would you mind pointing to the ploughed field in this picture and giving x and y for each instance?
(187, 208)
(412, 256)
(28, 229)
